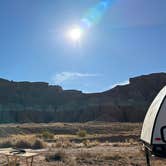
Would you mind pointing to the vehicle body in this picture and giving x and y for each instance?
(153, 132)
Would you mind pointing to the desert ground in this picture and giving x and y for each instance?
(78, 144)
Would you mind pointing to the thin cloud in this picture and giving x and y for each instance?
(120, 83)
(64, 76)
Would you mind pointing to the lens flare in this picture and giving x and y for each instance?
(94, 15)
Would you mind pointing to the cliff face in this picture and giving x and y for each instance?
(40, 102)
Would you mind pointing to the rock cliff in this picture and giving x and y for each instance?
(40, 102)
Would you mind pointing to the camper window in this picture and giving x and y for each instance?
(163, 133)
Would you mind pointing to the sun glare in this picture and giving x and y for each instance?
(75, 33)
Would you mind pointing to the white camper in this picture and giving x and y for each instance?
(153, 132)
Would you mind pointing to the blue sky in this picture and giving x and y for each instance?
(128, 41)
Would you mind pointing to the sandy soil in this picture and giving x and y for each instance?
(119, 154)
(116, 145)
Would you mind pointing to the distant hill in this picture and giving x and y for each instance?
(40, 102)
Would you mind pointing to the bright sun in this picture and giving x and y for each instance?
(75, 33)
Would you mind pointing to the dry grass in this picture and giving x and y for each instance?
(56, 156)
(88, 144)
(60, 158)
(69, 128)
(6, 143)
(63, 143)
(112, 157)
(23, 144)
(22, 141)
(39, 144)
(45, 135)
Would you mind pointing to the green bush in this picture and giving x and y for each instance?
(47, 135)
(38, 144)
(23, 144)
(82, 133)
(56, 156)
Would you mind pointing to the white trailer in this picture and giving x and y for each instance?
(153, 132)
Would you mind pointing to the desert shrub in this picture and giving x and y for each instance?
(117, 144)
(47, 135)
(59, 144)
(94, 143)
(86, 143)
(71, 161)
(56, 156)
(82, 133)
(84, 154)
(6, 144)
(67, 143)
(63, 143)
(25, 144)
(38, 144)
(112, 157)
(131, 141)
(89, 143)
(39, 136)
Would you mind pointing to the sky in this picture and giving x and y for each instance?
(128, 41)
